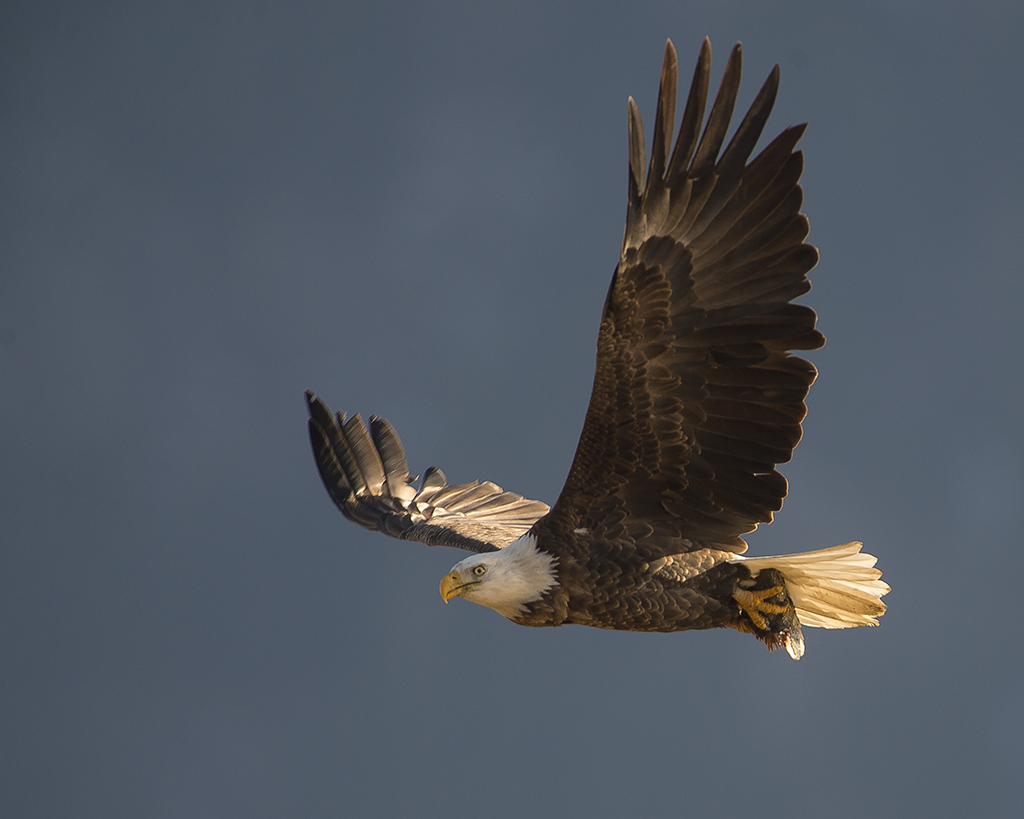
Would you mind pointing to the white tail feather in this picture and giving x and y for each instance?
(830, 588)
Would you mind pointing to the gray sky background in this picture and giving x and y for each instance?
(415, 209)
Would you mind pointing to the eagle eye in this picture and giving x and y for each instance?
(479, 571)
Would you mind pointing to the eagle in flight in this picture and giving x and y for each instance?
(697, 398)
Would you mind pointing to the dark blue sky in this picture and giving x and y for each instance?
(415, 209)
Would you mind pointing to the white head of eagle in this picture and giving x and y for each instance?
(505, 580)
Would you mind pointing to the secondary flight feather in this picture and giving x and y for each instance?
(697, 398)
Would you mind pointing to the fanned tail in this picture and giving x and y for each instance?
(830, 588)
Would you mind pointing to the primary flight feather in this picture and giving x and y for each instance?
(697, 398)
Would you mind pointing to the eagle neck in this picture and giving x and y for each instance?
(523, 573)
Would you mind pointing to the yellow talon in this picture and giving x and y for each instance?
(753, 603)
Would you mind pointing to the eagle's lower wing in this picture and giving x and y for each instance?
(696, 397)
(366, 475)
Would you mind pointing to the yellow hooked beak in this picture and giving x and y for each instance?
(452, 585)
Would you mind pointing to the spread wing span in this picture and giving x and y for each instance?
(696, 396)
(367, 477)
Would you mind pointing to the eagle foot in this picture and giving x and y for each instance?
(770, 614)
(755, 605)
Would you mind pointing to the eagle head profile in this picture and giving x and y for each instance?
(507, 581)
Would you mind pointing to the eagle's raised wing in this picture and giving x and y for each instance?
(367, 476)
(696, 397)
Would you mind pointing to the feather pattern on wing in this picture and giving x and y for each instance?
(696, 395)
(367, 477)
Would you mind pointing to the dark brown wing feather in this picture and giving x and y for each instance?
(367, 477)
(696, 397)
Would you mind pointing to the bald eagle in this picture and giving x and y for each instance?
(696, 399)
